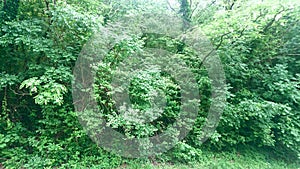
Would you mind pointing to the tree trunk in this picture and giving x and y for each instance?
(185, 11)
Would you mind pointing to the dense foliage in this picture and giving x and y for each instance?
(40, 41)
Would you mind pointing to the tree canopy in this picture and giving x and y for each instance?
(257, 43)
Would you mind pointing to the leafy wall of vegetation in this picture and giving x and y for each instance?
(40, 41)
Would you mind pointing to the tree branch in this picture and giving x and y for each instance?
(296, 54)
(232, 4)
(218, 46)
(266, 28)
(20, 94)
(221, 40)
(171, 6)
(193, 11)
(47, 5)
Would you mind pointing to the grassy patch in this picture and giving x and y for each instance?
(223, 160)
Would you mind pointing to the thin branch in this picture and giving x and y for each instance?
(170, 6)
(47, 5)
(233, 3)
(272, 21)
(221, 40)
(218, 46)
(241, 34)
(20, 94)
(197, 6)
(244, 29)
(259, 16)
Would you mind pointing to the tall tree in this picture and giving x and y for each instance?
(185, 12)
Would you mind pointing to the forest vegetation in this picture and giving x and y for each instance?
(257, 43)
